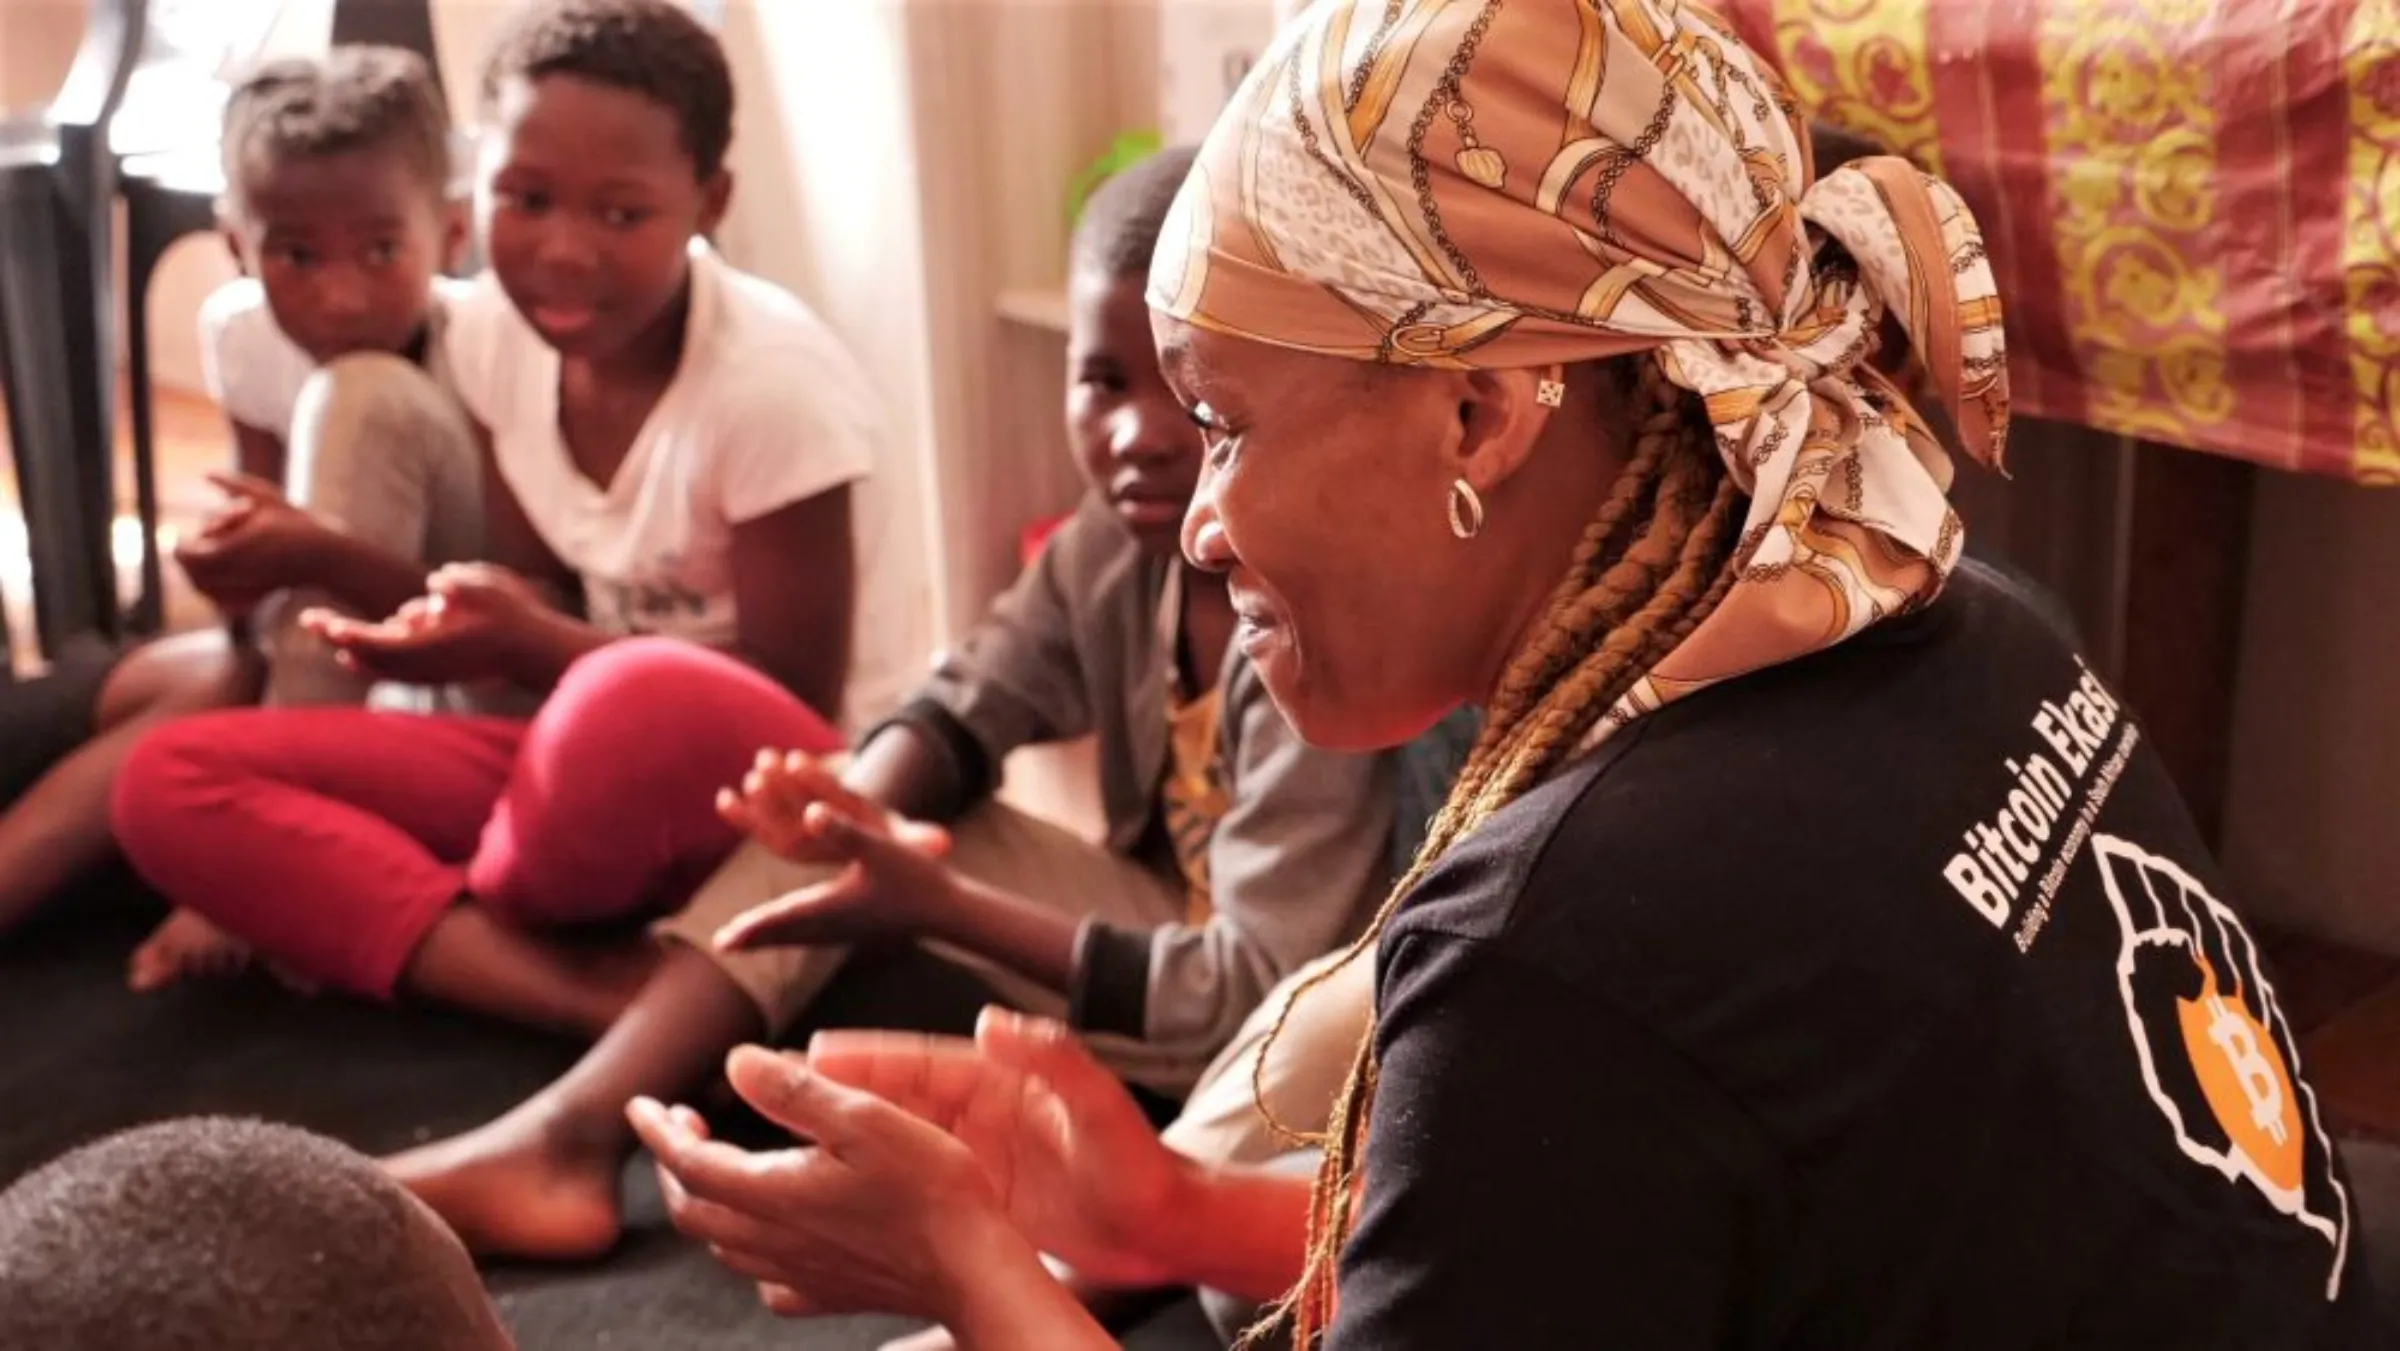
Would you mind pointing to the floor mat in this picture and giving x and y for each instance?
(80, 1057)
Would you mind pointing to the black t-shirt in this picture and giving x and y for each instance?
(1882, 1000)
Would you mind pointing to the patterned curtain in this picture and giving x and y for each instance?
(2193, 206)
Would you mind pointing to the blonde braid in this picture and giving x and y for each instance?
(1594, 684)
(1580, 606)
(1652, 564)
(1573, 603)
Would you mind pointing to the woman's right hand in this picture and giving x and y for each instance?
(881, 1212)
(771, 806)
(1077, 1166)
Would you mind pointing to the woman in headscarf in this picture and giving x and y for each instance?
(1812, 952)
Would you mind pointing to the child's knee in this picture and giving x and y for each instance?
(644, 710)
(685, 698)
(634, 671)
(173, 768)
(374, 418)
(681, 721)
(375, 384)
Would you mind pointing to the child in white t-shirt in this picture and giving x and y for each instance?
(687, 448)
(327, 359)
(372, 446)
(763, 410)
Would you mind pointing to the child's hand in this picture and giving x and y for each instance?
(886, 892)
(469, 625)
(772, 807)
(254, 546)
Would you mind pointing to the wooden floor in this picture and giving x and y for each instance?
(192, 442)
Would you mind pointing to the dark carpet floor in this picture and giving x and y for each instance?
(81, 1057)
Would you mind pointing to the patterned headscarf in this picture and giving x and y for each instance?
(1518, 183)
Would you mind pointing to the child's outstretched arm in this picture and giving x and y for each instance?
(896, 887)
(896, 884)
(794, 592)
(260, 543)
(508, 617)
(1018, 679)
(771, 806)
(1297, 863)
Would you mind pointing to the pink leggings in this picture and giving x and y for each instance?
(334, 839)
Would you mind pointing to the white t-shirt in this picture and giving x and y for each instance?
(254, 372)
(766, 409)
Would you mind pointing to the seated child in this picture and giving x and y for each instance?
(327, 358)
(212, 1234)
(686, 447)
(330, 356)
(1233, 853)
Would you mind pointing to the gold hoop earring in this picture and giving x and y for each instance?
(1466, 510)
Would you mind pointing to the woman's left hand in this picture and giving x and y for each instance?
(470, 624)
(887, 890)
(885, 1213)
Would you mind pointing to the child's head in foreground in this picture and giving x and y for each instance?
(1134, 440)
(606, 128)
(215, 1234)
(337, 196)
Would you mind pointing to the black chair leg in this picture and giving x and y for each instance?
(88, 190)
(59, 404)
(156, 215)
(142, 255)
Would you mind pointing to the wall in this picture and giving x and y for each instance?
(2311, 835)
(37, 44)
(1009, 102)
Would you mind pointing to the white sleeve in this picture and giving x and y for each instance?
(787, 431)
(247, 366)
(215, 313)
(479, 326)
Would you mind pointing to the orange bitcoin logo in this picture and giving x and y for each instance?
(2246, 1083)
(2215, 1050)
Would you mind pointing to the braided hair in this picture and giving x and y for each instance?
(1653, 563)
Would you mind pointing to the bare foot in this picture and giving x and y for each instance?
(936, 1338)
(520, 1188)
(185, 945)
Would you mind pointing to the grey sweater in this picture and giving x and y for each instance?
(1079, 646)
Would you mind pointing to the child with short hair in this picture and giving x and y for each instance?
(216, 1234)
(328, 359)
(1233, 852)
(330, 356)
(686, 448)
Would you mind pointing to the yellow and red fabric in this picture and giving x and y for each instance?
(2192, 206)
